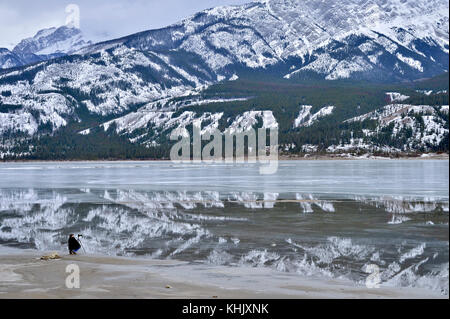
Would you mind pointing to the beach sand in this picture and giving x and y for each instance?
(24, 275)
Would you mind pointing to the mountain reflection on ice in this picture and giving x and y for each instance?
(306, 233)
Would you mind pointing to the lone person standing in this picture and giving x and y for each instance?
(73, 244)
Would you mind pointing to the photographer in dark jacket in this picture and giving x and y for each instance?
(74, 245)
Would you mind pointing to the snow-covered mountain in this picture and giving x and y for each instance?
(389, 39)
(377, 40)
(9, 59)
(46, 44)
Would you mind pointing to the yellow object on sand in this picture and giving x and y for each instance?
(51, 256)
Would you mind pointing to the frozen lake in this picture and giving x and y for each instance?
(419, 179)
(314, 218)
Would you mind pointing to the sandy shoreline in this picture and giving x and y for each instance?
(24, 275)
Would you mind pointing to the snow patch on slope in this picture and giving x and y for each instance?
(396, 97)
(306, 119)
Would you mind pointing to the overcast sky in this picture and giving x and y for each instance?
(99, 19)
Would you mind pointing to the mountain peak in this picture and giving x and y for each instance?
(45, 44)
(61, 40)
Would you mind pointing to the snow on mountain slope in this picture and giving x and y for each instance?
(161, 123)
(421, 126)
(147, 125)
(391, 40)
(46, 44)
(418, 127)
(9, 59)
(104, 84)
(333, 39)
(305, 112)
(396, 97)
(61, 40)
(305, 118)
(392, 111)
(250, 119)
(30, 108)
